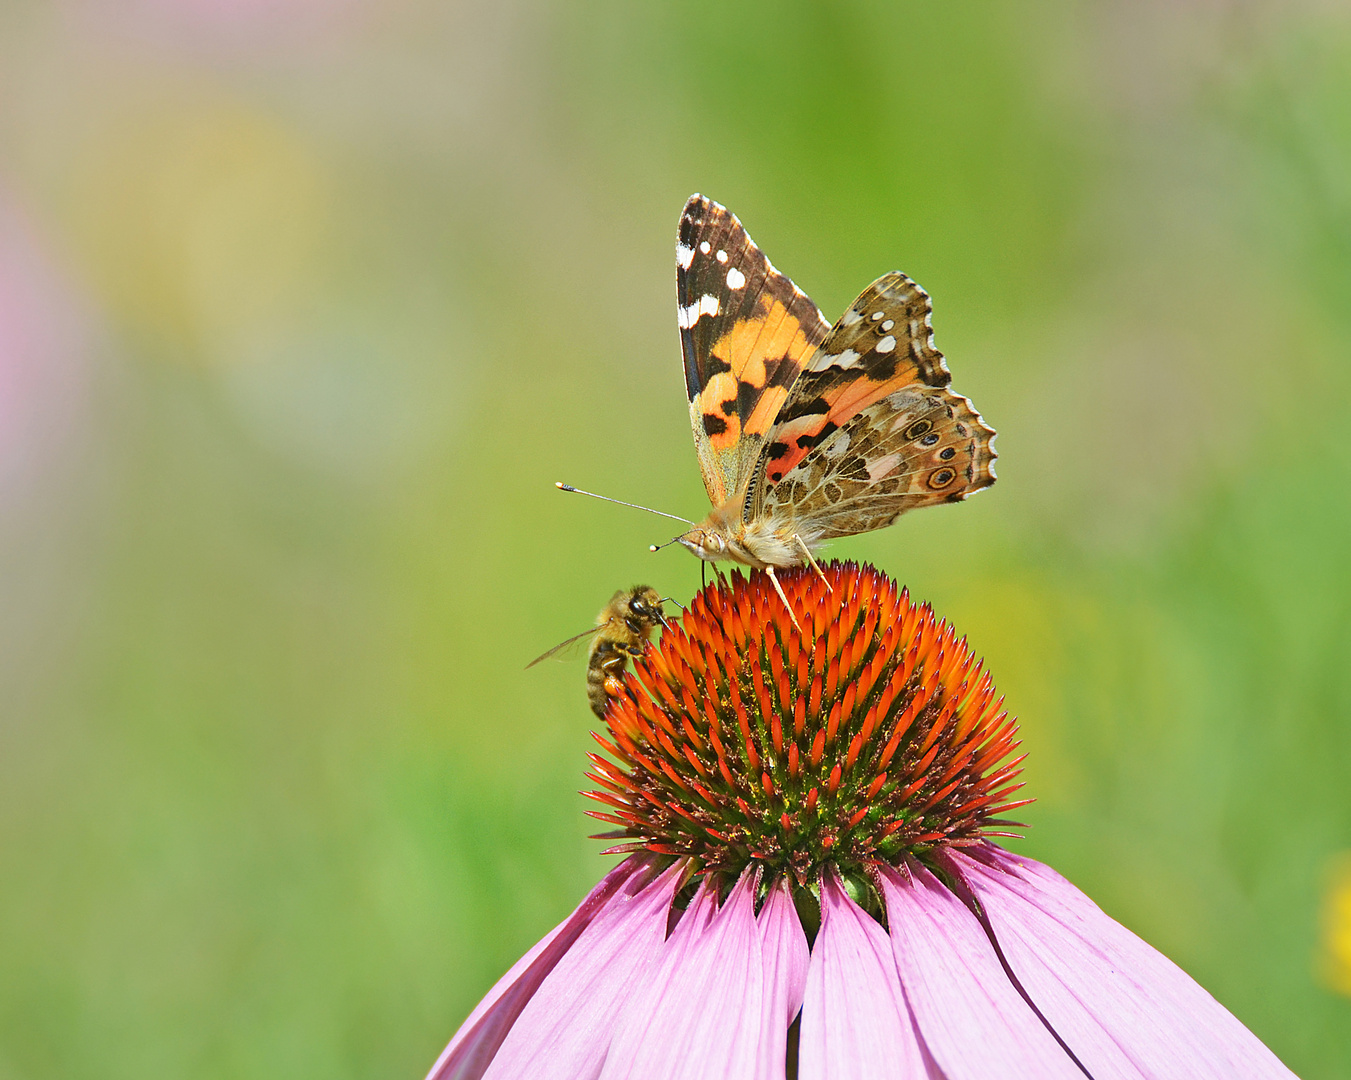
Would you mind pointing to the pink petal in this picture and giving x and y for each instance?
(565, 1028)
(855, 1021)
(713, 1005)
(971, 1018)
(784, 947)
(1124, 1008)
(478, 1038)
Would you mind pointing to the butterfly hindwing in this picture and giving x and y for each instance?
(918, 446)
(746, 332)
(884, 342)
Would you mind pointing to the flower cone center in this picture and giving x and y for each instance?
(869, 734)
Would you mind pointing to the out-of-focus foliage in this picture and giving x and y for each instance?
(303, 307)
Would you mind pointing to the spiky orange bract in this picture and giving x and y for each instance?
(739, 739)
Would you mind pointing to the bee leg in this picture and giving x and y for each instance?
(815, 565)
(782, 596)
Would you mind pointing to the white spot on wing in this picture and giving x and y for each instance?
(735, 278)
(721, 256)
(821, 360)
(902, 399)
(850, 317)
(880, 467)
(684, 256)
(886, 344)
(704, 247)
(876, 315)
(888, 324)
(688, 316)
(837, 446)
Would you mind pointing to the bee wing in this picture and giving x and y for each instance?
(562, 646)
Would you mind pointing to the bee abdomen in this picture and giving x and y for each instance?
(604, 674)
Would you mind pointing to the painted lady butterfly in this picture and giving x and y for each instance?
(806, 431)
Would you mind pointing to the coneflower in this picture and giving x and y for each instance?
(812, 888)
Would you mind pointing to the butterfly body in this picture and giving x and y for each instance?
(759, 543)
(806, 431)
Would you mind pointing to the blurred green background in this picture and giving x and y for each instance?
(305, 304)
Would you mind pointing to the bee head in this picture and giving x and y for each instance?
(645, 609)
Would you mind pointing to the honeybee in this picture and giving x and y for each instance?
(622, 629)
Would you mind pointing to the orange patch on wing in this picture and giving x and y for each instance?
(788, 434)
(774, 335)
(762, 416)
(851, 398)
(721, 388)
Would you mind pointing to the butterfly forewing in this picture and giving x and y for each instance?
(746, 331)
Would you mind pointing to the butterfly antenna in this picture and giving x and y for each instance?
(658, 547)
(621, 502)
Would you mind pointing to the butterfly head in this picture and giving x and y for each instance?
(720, 536)
(705, 543)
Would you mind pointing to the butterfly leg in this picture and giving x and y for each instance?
(783, 596)
(815, 565)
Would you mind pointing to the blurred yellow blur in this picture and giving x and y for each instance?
(200, 220)
(1334, 961)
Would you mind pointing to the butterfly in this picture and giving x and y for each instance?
(806, 431)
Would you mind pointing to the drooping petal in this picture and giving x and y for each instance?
(711, 1006)
(855, 1021)
(472, 1048)
(1123, 1007)
(972, 1019)
(784, 947)
(565, 1029)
